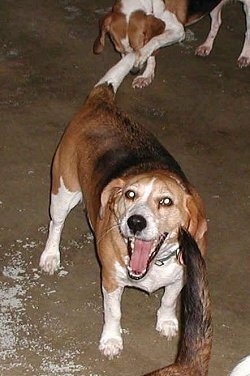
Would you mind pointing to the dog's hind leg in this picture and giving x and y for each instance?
(61, 204)
(244, 58)
(167, 323)
(205, 48)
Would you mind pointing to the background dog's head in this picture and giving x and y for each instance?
(149, 210)
(127, 35)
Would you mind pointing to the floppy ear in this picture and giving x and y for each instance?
(109, 193)
(104, 27)
(154, 26)
(142, 28)
(197, 225)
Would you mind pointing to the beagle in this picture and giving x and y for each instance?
(136, 198)
(196, 339)
(144, 26)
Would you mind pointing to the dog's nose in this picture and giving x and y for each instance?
(136, 223)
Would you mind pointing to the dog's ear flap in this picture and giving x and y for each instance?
(109, 192)
(197, 225)
(154, 26)
(104, 27)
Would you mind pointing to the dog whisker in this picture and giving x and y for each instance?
(106, 232)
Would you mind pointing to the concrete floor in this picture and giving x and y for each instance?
(200, 110)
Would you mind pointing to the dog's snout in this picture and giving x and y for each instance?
(136, 223)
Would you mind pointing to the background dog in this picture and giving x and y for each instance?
(196, 340)
(136, 197)
(130, 25)
(145, 26)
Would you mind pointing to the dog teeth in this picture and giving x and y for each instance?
(132, 242)
(135, 275)
(126, 261)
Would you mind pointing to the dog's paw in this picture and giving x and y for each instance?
(243, 61)
(141, 82)
(50, 262)
(111, 347)
(167, 328)
(203, 50)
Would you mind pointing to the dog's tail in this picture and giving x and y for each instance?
(118, 72)
(196, 339)
(242, 368)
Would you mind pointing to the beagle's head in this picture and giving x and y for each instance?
(127, 34)
(149, 210)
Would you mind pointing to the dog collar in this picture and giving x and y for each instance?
(161, 261)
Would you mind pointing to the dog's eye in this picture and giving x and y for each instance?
(130, 194)
(166, 201)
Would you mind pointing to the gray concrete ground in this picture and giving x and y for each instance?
(200, 110)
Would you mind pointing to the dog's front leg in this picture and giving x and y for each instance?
(111, 339)
(147, 76)
(60, 205)
(167, 323)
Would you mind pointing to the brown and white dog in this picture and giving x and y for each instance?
(144, 26)
(196, 339)
(136, 197)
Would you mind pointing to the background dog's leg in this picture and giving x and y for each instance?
(111, 339)
(148, 75)
(205, 48)
(167, 323)
(244, 58)
(60, 205)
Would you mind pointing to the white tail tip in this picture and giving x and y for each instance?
(242, 368)
(117, 73)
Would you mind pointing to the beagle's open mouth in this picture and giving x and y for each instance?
(141, 253)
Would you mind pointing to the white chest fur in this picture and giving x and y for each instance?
(158, 276)
(167, 273)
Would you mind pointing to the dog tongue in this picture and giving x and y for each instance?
(140, 256)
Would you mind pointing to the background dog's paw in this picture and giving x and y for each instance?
(111, 347)
(167, 328)
(243, 61)
(141, 82)
(49, 262)
(203, 50)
